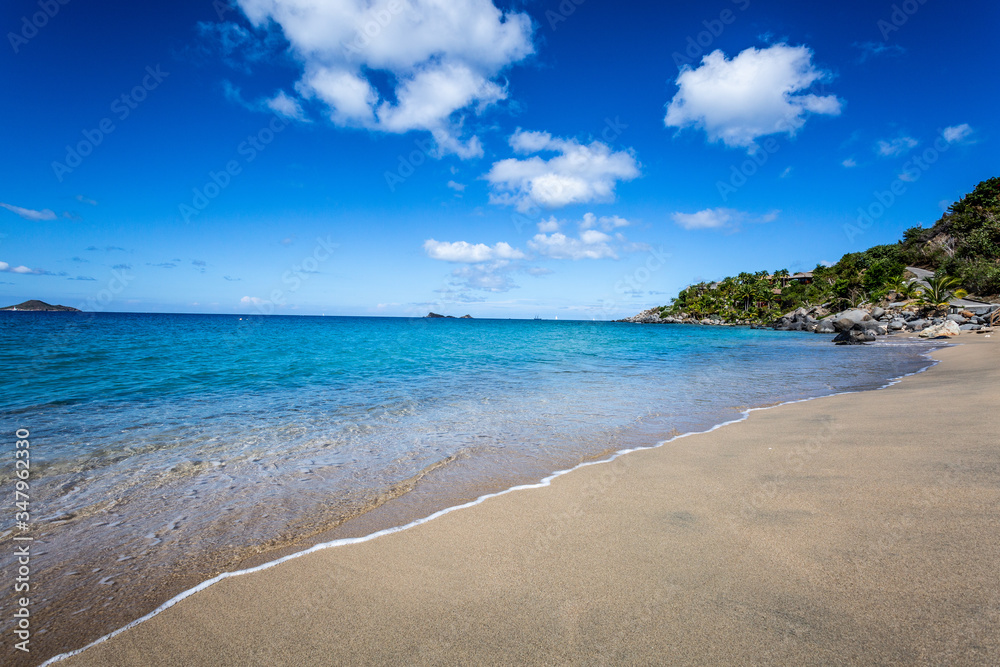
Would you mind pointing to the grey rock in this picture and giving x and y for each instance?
(970, 327)
(877, 312)
(958, 319)
(825, 327)
(897, 325)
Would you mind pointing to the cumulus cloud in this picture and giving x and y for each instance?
(253, 301)
(850, 162)
(589, 243)
(398, 66)
(720, 218)
(468, 253)
(894, 147)
(457, 187)
(29, 214)
(576, 174)
(956, 133)
(757, 93)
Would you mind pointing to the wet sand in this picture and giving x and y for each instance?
(862, 528)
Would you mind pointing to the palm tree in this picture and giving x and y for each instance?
(907, 289)
(940, 288)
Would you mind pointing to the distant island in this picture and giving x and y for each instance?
(36, 306)
(448, 317)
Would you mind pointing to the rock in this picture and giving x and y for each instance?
(856, 335)
(897, 325)
(970, 327)
(432, 315)
(877, 313)
(944, 330)
(825, 327)
(847, 319)
(958, 319)
(967, 314)
(465, 317)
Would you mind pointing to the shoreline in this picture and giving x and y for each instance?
(96, 595)
(547, 482)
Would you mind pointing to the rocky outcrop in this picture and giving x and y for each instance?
(853, 326)
(36, 306)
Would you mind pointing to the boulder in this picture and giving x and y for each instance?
(856, 335)
(970, 327)
(967, 314)
(897, 325)
(825, 327)
(877, 312)
(958, 319)
(847, 319)
(944, 330)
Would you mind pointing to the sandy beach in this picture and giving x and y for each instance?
(860, 528)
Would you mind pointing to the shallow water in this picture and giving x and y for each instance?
(168, 446)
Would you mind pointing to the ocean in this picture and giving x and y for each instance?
(167, 448)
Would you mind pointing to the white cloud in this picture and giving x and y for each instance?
(468, 253)
(875, 49)
(607, 223)
(86, 200)
(720, 218)
(895, 147)
(457, 187)
(850, 162)
(24, 270)
(786, 173)
(400, 65)
(591, 244)
(253, 301)
(29, 214)
(577, 174)
(529, 142)
(550, 225)
(489, 277)
(757, 93)
(956, 133)
(286, 106)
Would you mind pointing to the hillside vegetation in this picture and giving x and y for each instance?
(964, 246)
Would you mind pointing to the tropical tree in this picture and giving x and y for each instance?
(940, 288)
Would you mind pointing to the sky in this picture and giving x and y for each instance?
(576, 159)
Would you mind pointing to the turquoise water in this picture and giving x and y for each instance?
(168, 442)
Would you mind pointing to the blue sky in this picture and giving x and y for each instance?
(576, 159)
